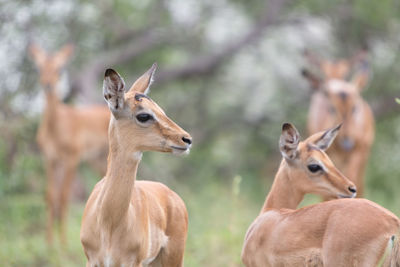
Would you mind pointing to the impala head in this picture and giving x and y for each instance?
(138, 123)
(344, 96)
(50, 65)
(312, 169)
(338, 69)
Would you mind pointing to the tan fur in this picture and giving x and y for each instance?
(339, 101)
(341, 232)
(66, 136)
(128, 222)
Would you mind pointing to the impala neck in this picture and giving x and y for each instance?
(282, 193)
(119, 181)
(51, 99)
(50, 111)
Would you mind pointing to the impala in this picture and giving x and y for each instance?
(128, 222)
(341, 232)
(66, 136)
(337, 100)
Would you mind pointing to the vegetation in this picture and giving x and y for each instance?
(229, 73)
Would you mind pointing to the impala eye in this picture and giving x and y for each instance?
(314, 168)
(144, 117)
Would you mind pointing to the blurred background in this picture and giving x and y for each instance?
(229, 74)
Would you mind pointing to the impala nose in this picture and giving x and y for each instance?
(343, 96)
(187, 140)
(352, 189)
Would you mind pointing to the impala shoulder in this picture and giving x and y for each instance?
(263, 222)
(153, 188)
(98, 186)
(156, 188)
(93, 198)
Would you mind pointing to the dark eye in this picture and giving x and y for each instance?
(353, 110)
(144, 117)
(314, 168)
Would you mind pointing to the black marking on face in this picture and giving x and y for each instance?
(138, 97)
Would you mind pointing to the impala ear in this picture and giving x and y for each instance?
(62, 56)
(289, 141)
(38, 54)
(314, 80)
(113, 91)
(312, 58)
(360, 79)
(142, 85)
(361, 62)
(323, 140)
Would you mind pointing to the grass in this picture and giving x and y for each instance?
(219, 215)
(218, 219)
(23, 234)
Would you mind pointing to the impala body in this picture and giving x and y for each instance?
(341, 232)
(128, 222)
(338, 100)
(66, 136)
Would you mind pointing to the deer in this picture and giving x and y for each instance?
(337, 99)
(67, 135)
(128, 222)
(344, 231)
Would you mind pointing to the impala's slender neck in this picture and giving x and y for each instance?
(282, 193)
(52, 99)
(119, 180)
(50, 110)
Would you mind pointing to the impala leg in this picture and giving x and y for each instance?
(172, 254)
(50, 166)
(67, 182)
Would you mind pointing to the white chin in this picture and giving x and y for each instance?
(347, 196)
(180, 152)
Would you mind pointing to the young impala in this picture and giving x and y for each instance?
(66, 136)
(337, 100)
(341, 232)
(128, 222)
